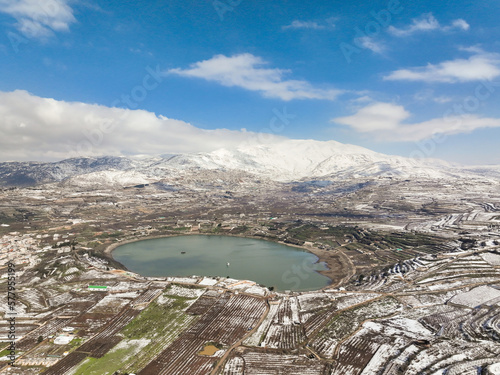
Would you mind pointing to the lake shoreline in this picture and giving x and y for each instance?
(336, 266)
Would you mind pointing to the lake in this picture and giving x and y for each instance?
(267, 263)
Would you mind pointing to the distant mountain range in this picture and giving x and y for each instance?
(284, 161)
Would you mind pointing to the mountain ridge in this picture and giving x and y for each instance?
(283, 161)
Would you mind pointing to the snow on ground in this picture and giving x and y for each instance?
(164, 300)
(257, 290)
(241, 285)
(477, 296)
(348, 301)
(127, 285)
(126, 295)
(208, 281)
(184, 280)
(176, 290)
(110, 302)
(71, 271)
(295, 309)
(254, 339)
(136, 344)
(95, 275)
(493, 369)
(168, 298)
(378, 360)
(431, 299)
(109, 178)
(401, 327)
(224, 283)
(411, 301)
(491, 258)
(405, 356)
(462, 282)
(313, 301)
(437, 278)
(442, 365)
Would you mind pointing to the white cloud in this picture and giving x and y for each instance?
(246, 71)
(39, 18)
(385, 121)
(363, 99)
(427, 22)
(458, 24)
(35, 128)
(371, 44)
(375, 117)
(329, 23)
(482, 66)
(303, 25)
(429, 95)
(473, 49)
(442, 99)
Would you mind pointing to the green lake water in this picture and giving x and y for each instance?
(267, 263)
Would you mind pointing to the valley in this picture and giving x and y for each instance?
(405, 255)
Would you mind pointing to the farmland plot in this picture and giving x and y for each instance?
(99, 344)
(235, 366)
(481, 295)
(110, 304)
(430, 299)
(283, 336)
(76, 306)
(148, 296)
(34, 298)
(285, 331)
(345, 301)
(482, 324)
(369, 349)
(181, 358)
(229, 321)
(345, 323)
(260, 363)
(115, 360)
(443, 355)
(399, 327)
(160, 324)
(239, 316)
(314, 301)
(181, 291)
(354, 355)
(226, 322)
(66, 364)
(89, 323)
(491, 258)
(23, 328)
(256, 337)
(317, 320)
(50, 328)
(202, 305)
(150, 332)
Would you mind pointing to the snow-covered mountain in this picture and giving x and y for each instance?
(298, 159)
(288, 160)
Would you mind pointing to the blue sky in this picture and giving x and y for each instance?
(415, 79)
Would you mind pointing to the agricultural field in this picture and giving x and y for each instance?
(258, 362)
(415, 284)
(345, 323)
(226, 322)
(149, 333)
